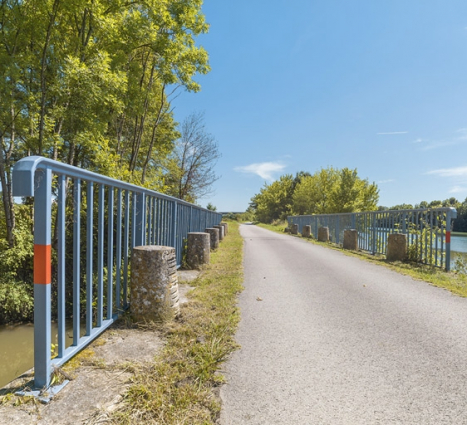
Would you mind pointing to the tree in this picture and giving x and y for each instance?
(327, 191)
(84, 82)
(211, 207)
(274, 200)
(190, 169)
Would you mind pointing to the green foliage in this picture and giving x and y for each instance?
(16, 301)
(16, 280)
(85, 82)
(274, 200)
(327, 191)
(331, 191)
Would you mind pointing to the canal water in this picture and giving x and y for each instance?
(459, 243)
(17, 349)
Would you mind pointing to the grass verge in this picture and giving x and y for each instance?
(452, 281)
(180, 386)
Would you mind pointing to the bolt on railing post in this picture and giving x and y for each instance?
(42, 277)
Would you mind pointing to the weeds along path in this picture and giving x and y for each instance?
(181, 385)
(331, 339)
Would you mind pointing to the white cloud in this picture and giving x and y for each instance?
(262, 169)
(419, 140)
(458, 189)
(450, 172)
(463, 134)
(393, 132)
(386, 181)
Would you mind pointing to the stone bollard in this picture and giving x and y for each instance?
(294, 229)
(198, 250)
(214, 237)
(226, 228)
(323, 234)
(221, 231)
(351, 239)
(306, 231)
(397, 247)
(154, 283)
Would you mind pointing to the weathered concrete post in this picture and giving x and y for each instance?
(198, 251)
(221, 231)
(323, 234)
(226, 228)
(397, 247)
(214, 237)
(351, 239)
(306, 231)
(294, 229)
(154, 283)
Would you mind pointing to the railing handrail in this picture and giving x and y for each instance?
(24, 171)
(442, 209)
(383, 222)
(155, 219)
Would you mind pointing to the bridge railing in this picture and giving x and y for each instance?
(85, 227)
(428, 231)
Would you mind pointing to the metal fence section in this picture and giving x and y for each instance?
(85, 227)
(428, 231)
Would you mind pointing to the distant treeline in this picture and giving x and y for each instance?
(329, 190)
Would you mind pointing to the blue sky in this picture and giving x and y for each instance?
(295, 85)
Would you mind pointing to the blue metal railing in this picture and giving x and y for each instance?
(428, 231)
(127, 216)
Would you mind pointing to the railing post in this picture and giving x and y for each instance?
(42, 277)
(373, 242)
(450, 215)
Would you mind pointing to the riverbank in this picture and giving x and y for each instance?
(178, 380)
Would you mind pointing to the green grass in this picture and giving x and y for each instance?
(180, 386)
(452, 281)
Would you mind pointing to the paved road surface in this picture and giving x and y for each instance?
(331, 339)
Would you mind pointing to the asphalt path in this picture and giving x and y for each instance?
(328, 338)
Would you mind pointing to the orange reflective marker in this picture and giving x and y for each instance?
(42, 264)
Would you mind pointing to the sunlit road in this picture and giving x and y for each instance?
(331, 339)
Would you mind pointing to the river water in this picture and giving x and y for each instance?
(17, 348)
(459, 243)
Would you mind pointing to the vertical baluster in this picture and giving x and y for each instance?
(89, 255)
(154, 223)
(118, 254)
(100, 257)
(110, 252)
(133, 221)
(76, 260)
(126, 241)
